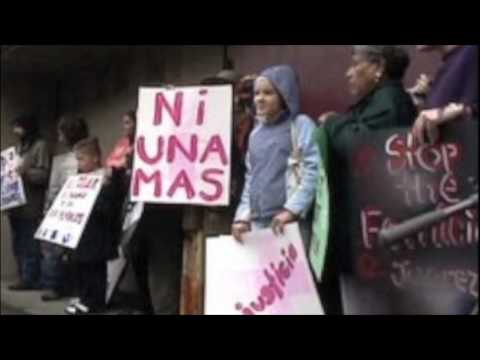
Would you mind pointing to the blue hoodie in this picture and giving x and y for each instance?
(267, 191)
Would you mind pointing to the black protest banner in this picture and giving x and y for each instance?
(434, 270)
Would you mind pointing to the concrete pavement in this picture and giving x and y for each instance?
(27, 302)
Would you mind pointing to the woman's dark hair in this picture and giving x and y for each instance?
(212, 81)
(396, 58)
(29, 124)
(132, 115)
(224, 77)
(74, 129)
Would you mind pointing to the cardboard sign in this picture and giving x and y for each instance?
(12, 191)
(267, 275)
(63, 166)
(65, 221)
(434, 271)
(321, 230)
(183, 146)
(115, 271)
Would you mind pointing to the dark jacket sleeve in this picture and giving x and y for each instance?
(390, 108)
(117, 194)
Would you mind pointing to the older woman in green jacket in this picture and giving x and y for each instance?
(375, 78)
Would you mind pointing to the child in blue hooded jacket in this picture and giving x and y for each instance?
(282, 160)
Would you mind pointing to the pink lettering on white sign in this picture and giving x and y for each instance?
(266, 275)
(183, 146)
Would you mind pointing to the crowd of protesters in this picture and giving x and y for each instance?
(278, 153)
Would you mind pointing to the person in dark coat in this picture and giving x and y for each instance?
(56, 271)
(375, 78)
(98, 244)
(154, 250)
(34, 170)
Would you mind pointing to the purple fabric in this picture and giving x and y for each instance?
(457, 79)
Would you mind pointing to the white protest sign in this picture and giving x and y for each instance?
(63, 166)
(133, 215)
(266, 275)
(65, 221)
(183, 146)
(116, 268)
(12, 191)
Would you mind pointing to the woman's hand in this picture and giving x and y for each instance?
(281, 220)
(239, 229)
(422, 87)
(426, 128)
(323, 119)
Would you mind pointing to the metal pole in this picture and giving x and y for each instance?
(227, 62)
(415, 225)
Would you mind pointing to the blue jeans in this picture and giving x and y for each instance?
(53, 267)
(26, 249)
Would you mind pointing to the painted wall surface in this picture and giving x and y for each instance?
(103, 93)
(321, 69)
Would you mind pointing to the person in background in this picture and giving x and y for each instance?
(56, 272)
(155, 249)
(453, 94)
(375, 78)
(97, 245)
(34, 170)
(122, 153)
(281, 148)
(119, 168)
(119, 164)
